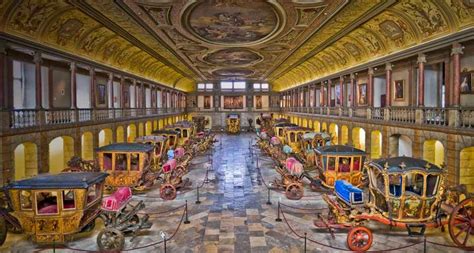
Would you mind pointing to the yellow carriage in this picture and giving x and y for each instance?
(279, 130)
(293, 136)
(129, 164)
(406, 193)
(186, 130)
(339, 162)
(52, 208)
(171, 135)
(233, 123)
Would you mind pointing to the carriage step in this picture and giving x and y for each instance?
(416, 229)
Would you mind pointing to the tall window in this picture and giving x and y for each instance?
(233, 86)
(205, 86)
(260, 86)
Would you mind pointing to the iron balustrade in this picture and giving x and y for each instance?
(29, 118)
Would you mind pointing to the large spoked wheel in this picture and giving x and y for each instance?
(110, 240)
(294, 191)
(3, 230)
(359, 239)
(461, 224)
(168, 192)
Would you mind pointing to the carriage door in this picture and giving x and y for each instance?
(356, 170)
(343, 168)
(413, 198)
(432, 185)
(330, 174)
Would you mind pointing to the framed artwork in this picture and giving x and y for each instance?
(233, 102)
(101, 94)
(362, 94)
(258, 102)
(207, 102)
(466, 83)
(399, 90)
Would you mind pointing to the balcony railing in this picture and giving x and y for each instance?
(28, 118)
(442, 117)
(402, 114)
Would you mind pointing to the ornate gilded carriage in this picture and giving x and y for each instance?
(279, 130)
(200, 122)
(160, 143)
(406, 193)
(311, 141)
(233, 123)
(129, 164)
(186, 130)
(52, 208)
(339, 162)
(266, 123)
(293, 135)
(171, 135)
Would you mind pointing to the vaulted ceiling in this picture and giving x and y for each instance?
(181, 42)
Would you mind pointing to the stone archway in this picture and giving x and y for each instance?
(25, 160)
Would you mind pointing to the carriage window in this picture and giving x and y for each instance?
(356, 165)
(134, 161)
(380, 183)
(185, 133)
(158, 148)
(121, 162)
(47, 203)
(68, 200)
(431, 185)
(414, 183)
(395, 185)
(171, 140)
(280, 132)
(26, 200)
(292, 137)
(107, 161)
(344, 163)
(332, 163)
(93, 193)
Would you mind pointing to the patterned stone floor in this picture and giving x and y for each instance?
(233, 215)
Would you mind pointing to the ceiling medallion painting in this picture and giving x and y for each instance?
(233, 56)
(233, 72)
(233, 22)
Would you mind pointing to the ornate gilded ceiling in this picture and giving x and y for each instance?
(180, 42)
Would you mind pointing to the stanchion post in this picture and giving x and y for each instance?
(164, 240)
(186, 218)
(54, 246)
(424, 244)
(197, 196)
(268, 197)
(257, 162)
(304, 242)
(278, 219)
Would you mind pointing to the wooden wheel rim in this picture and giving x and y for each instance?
(461, 224)
(168, 192)
(110, 239)
(359, 239)
(294, 191)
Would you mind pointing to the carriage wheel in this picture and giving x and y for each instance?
(461, 224)
(294, 191)
(110, 239)
(359, 239)
(168, 192)
(3, 230)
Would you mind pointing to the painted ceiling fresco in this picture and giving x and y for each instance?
(286, 42)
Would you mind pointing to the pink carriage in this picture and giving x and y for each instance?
(173, 174)
(291, 171)
(117, 200)
(275, 141)
(293, 166)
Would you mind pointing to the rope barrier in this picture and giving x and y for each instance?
(302, 208)
(338, 248)
(163, 212)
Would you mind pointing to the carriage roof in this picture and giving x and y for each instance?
(339, 150)
(126, 147)
(285, 124)
(166, 131)
(310, 136)
(403, 163)
(233, 116)
(64, 180)
(154, 138)
(297, 128)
